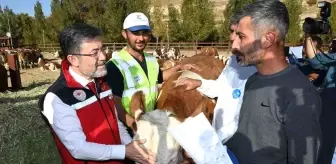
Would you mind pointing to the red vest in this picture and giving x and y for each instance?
(97, 117)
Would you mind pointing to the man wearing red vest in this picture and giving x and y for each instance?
(80, 109)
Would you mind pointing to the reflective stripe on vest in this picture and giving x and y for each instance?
(91, 100)
(135, 78)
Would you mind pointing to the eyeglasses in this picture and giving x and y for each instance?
(95, 55)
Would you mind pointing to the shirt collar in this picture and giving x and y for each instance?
(80, 79)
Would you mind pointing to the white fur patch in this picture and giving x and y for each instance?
(190, 74)
(137, 113)
(153, 126)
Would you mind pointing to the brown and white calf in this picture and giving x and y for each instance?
(174, 105)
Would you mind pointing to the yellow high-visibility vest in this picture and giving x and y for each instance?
(135, 78)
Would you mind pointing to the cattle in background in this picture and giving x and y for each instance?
(51, 66)
(109, 53)
(58, 54)
(167, 57)
(167, 53)
(3, 57)
(205, 51)
(173, 53)
(42, 64)
(28, 57)
(21, 57)
(212, 52)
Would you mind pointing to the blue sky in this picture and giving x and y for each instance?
(26, 6)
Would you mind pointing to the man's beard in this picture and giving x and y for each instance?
(100, 73)
(249, 54)
(133, 46)
(97, 73)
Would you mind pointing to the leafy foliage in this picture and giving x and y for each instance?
(198, 21)
(194, 21)
(294, 9)
(175, 26)
(232, 7)
(157, 21)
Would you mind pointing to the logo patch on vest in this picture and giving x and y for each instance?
(79, 95)
(137, 79)
(236, 93)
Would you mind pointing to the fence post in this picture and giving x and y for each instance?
(196, 47)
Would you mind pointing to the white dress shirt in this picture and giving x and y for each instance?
(226, 112)
(64, 121)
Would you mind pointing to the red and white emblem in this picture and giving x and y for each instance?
(79, 95)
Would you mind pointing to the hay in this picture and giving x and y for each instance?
(24, 136)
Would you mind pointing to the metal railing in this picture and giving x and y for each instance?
(52, 47)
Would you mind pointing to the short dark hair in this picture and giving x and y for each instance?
(268, 14)
(73, 36)
(234, 20)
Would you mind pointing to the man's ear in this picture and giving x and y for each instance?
(124, 34)
(73, 60)
(268, 40)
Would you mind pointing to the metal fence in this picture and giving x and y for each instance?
(150, 46)
(52, 47)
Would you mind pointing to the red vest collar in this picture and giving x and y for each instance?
(71, 82)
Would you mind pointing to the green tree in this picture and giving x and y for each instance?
(198, 19)
(158, 21)
(59, 18)
(2, 22)
(175, 26)
(137, 6)
(8, 19)
(27, 24)
(40, 23)
(232, 7)
(75, 10)
(113, 21)
(333, 19)
(55, 21)
(10, 16)
(294, 9)
(94, 11)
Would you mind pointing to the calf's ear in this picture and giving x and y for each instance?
(137, 104)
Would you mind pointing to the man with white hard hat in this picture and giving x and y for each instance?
(132, 69)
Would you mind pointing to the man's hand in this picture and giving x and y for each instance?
(313, 76)
(189, 83)
(190, 66)
(138, 154)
